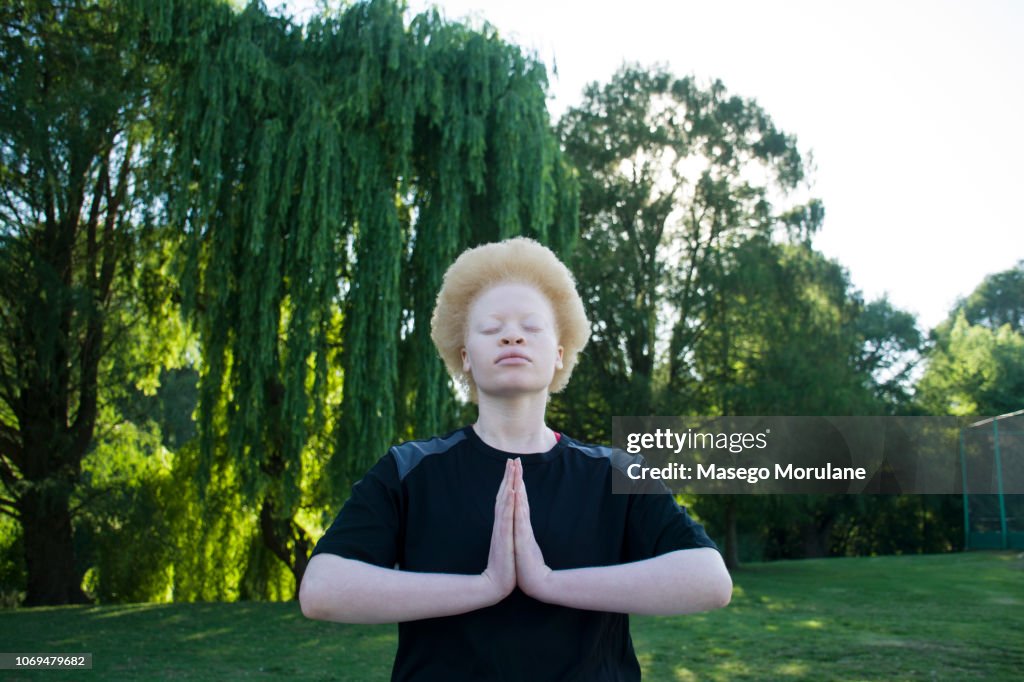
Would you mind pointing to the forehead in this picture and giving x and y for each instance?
(511, 298)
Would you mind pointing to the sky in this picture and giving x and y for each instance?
(912, 111)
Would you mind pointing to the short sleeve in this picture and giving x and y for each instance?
(368, 527)
(656, 525)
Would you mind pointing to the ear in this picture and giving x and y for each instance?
(465, 360)
(558, 364)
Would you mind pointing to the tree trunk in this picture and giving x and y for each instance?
(276, 533)
(51, 467)
(49, 552)
(732, 544)
(815, 535)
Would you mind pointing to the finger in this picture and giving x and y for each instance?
(523, 509)
(513, 485)
(523, 531)
(505, 496)
(515, 478)
(504, 509)
(526, 497)
(520, 521)
(509, 509)
(521, 484)
(523, 526)
(510, 489)
(506, 479)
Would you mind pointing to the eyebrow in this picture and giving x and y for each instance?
(534, 313)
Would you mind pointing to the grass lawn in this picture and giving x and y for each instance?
(946, 617)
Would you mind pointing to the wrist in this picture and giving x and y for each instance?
(543, 586)
(489, 590)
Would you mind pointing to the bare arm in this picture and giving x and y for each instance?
(348, 591)
(684, 581)
(345, 590)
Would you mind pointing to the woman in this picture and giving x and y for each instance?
(499, 548)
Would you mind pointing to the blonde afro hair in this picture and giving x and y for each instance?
(520, 260)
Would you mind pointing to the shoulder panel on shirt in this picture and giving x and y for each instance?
(409, 454)
(619, 459)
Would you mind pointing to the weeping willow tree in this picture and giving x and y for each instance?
(331, 172)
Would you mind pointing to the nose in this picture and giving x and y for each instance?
(512, 338)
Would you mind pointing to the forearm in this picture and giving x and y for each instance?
(348, 591)
(684, 581)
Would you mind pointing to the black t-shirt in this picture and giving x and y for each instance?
(428, 506)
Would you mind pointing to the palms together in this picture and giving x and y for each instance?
(515, 557)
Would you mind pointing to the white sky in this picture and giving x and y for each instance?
(913, 111)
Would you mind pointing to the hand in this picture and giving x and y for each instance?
(501, 562)
(532, 574)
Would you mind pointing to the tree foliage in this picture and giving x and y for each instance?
(75, 118)
(974, 371)
(671, 175)
(975, 364)
(707, 298)
(998, 300)
(319, 178)
(788, 334)
(299, 190)
(327, 174)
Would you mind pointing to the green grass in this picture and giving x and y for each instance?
(945, 617)
(931, 617)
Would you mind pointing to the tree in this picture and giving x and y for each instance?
(324, 176)
(975, 363)
(787, 334)
(998, 300)
(973, 370)
(890, 349)
(671, 173)
(706, 297)
(74, 121)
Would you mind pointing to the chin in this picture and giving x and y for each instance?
(511, 391)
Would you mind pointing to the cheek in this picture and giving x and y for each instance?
(469, 353)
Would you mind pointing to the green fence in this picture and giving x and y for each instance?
(992, 458)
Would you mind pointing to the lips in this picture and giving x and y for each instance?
(513, 357)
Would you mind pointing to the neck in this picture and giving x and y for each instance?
(515, 425)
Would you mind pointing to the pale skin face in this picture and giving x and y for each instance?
(517, 319)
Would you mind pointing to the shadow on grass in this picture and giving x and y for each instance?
(204, 641)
